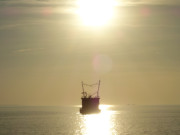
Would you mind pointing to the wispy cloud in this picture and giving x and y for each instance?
(154, 2)
(66, 3)
(25, 50)
(10, 26)
(35, 3)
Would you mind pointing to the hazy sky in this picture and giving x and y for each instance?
(46, 51)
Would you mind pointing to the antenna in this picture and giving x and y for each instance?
(83, 88)
(98, 89)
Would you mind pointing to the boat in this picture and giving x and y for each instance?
(90, 102)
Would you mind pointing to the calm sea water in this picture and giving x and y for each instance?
(113, 120)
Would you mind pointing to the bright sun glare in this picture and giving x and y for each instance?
(98, 124)
(96, 12)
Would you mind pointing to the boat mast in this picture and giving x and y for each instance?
(98, 89)
(83, 88)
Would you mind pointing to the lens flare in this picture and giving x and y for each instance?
(102, 63)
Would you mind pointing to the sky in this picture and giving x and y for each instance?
(46, 50)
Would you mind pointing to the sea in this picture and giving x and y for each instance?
(113, 120)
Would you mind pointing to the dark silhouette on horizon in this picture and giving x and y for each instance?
(90, 103)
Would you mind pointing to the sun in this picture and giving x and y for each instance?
(95, 12)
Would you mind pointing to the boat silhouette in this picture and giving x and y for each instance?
(90, 103)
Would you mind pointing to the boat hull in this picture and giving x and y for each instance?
(90, 106)
(89, 111)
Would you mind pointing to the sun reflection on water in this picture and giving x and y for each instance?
(98, 124)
